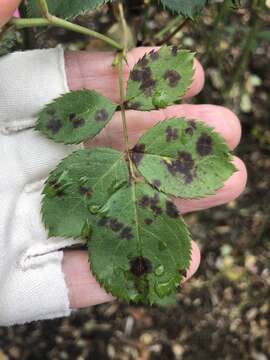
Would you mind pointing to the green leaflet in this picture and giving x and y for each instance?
(160, 79)
(8, 39)
(188, 8)
(78, 187)
(139, 246)
(65, 8)
(183, 158)
(75, 116)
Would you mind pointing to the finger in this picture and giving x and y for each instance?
(7, 9)
(232, 188)
(84, 291)
(86, 70)
(223, 120)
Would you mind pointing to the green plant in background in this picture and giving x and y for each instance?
(121, 203)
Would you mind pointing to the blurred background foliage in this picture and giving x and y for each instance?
(224, 311)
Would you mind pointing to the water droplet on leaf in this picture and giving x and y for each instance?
(163, 289)
(94, 209)
(159, 270)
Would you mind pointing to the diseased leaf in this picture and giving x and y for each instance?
(78, 187)
(75, 116)
(188, 8)
(65, 8)
(8, 39)
(139, 246)
(160, 79)
(184, 158)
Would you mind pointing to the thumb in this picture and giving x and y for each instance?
(7, 9)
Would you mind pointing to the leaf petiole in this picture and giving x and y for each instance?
(55, 21)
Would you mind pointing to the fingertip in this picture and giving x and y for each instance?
(8, 8)
(195, 261)
(198, 80)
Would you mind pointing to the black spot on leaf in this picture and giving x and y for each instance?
(183, 272)
(171, 134)
(204, 145)
(77, 123)
(126, 233)
(154, 202)
(143, 62)
(148, 221)
(184, 164)
(84, 191)
(144, 202)
(103, 221)
(172, 77)
(134, 105)
(156, 184)
(148, 87)
(72, 116)
(136, 75)
(138, 153)
(54, 125)
(140, 266)
(115, 225)
(171, 209)
(191, 127)
(101, 115)
(60, 193)
(154, 55)
(51, 111)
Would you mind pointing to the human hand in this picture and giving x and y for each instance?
(94, 71)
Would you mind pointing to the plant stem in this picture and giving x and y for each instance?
(171, 35)
(44, 8)
(55, 21)
(124, 25)
(169, 27)
(247, 50)
(123, 112)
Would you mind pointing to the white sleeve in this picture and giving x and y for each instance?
(32, 284)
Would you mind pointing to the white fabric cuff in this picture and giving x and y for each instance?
(32, 284)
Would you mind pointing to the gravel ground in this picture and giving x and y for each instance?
(224, 311)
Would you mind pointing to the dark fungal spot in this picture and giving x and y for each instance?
(144, 202)
(54, 125)
(72, 116)
(183, 272)
(60, 193)
(191, 127)
(134, 105)
(143, 62)
(154, 202)
(84, 191)
(138, 153)
(136, 75)
(171, 134)
(101, 115)
(172, 77)
(154, 55)
(115, 225)
(148, 87)
(140, 266)
(174, 50)
(126, 233)
(204, 145)
(51, 111)
(148, 221)
(184, 165)
(77, 123)
(171, 209)
(103, 221)
(156, 184)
